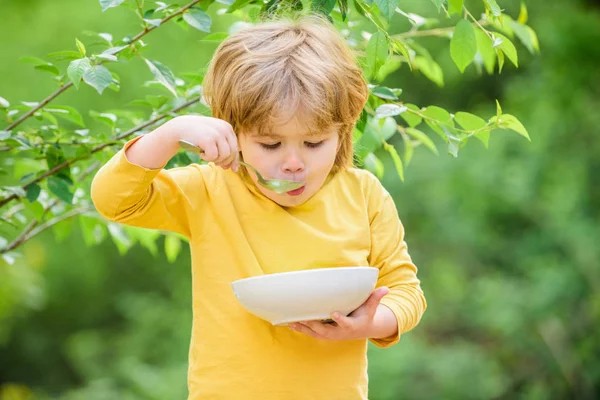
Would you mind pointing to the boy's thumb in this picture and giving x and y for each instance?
(377, 295)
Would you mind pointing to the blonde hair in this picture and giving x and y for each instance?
(298, 65)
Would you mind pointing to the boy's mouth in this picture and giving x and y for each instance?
(296, 192)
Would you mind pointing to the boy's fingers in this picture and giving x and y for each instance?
(210, 152)
(342, 321)
(224, 150)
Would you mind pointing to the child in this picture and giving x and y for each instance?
(285, 96)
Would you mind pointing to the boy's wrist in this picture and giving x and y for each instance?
(384, 323)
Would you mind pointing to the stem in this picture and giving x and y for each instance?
(30, 232)
(433, 32)
(27, 232)
(479, 24)
(68, 85)
(98, 148)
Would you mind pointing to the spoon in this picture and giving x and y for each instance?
(276, 185)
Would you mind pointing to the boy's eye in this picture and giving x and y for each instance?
(313, 145)
(272, 146)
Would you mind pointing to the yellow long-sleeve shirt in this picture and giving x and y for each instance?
(235, 232)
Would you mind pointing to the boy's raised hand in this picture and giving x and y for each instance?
(214, 136)
(367, 321)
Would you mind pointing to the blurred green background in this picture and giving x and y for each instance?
(507, 239)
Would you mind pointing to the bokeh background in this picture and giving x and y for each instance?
(507, 239)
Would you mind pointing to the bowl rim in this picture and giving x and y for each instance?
(303, 271)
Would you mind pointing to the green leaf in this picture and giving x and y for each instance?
(215, 37)
(172, 247)
(453, 145)
(455, 6)
(60, 188)
(67, 113)
(65, 55)
(374, 164)
(469, 122)
(153, 22)
(391, 65)
(98, 77)
(120, 237)
(401, 48)
(484, 137)
(387, 7)
(323, 6)
(40, 64)
(162, 74)
(423, 138)
(105, 118)
(526, 35)
(343, 6)
(408, 150)
(238, 4)
(106, 4)
(385, 93)
(365, 10)
(93, 231)
(493, 7)
(35, 207)
(486, 51)
(412, 119)
(508, 48)
(80, 47)
(18, 190)
(377, 52)
(438, 4)
(198, 19)
(430, 69)
(107, 57)
(48, 68)
(397, 161)
(522, 14)
(33, 191)
(463, 45)
(440, 117)
(375, 133)
(511, 122)
(472, 122)
(389, 110)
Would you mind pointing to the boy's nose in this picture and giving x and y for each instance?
(293, 163)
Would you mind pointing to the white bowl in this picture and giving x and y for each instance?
(305, 295)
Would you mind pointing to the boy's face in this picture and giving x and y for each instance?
(289, 151)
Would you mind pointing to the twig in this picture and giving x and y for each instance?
(68, 85)
(30, 232)
(98, 148)
(434, 32)
(27, 232)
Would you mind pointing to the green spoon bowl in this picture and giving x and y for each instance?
(278, 186)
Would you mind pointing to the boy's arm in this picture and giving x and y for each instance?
(133, 188)
(389, 253)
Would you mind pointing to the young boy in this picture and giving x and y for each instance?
(285, 96)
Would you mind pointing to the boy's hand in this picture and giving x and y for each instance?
(360, 324)
(214, 136)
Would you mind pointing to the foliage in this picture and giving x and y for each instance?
(50, 153)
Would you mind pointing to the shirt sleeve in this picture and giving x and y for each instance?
(389, 253)
(133, 195)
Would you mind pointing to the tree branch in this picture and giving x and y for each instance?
(25, 235)
(96, 149)
(68, 85)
